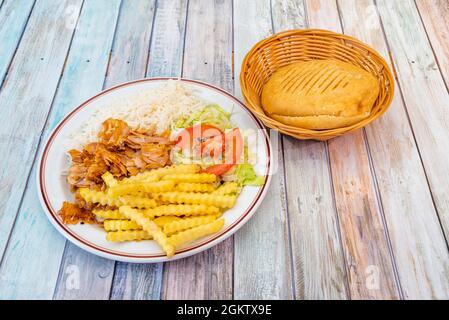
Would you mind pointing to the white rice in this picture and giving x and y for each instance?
(155, 108)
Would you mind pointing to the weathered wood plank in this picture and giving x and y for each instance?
(34, 60)
(419, 247)
(312, 214)
(83, 76)
(128, 62)
(83, 275)
(208, 57)
(426, 100)
(30, 265)
(88, 56)
(317, 252)
(363, 232)
(137, 281)
(35, 249)
(252, 23)
(288, 14)
(143, 281)
(435, 15)
(256, 274)
(423, 89)
(134, 281)
(167, 44)
(13, 19)
(313, 210)
(323, 14)
(129, 54)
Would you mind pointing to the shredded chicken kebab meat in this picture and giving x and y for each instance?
(72, 214)
(121, 150)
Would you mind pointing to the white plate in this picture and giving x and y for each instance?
(53, 188)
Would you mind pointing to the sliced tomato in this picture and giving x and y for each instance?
(192, 137)
(234, 146)
(232, 153)
(213, 146)
(219, 169)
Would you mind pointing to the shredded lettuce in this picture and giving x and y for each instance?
(183, 158)
(246, 175)
(211, 114)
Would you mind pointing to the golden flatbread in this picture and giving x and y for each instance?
(320, 94)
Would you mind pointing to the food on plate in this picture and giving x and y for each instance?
(72, 214)
(119, 150)
(222, 201)
(227, 188)
(141, 187)
(196, 187)
(182, 210)
(150, 227)
(102, 214)
(129, 235)
(169, 176)
(196, 232)
(116, 225)
(320, 94)
(187, 223)
(89, 197)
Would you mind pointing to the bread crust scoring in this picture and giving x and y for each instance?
(320, 94)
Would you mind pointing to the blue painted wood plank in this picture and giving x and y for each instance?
(84, 75)
(167, 44)
(88, 58)
(83, 276)
(25, 100)
(129, 56)
(31, 263)
(208, 57)
(144, 281)
(14, 16)
(128, 61)
(256, 274)
(137, 281)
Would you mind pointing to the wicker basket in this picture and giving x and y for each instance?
(302, 45)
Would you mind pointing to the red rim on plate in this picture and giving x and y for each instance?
(112, 254)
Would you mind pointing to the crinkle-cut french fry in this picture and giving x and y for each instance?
(192, 177)
(163, 220)
(195, 187)
(178, 169)
(108, 214)
(150, 227)
(141, 187)
(128, 235)
(227, 188)
(181, 210)
(109, 179)
(187, 223)
(107, 200)
(195, 233)
(148, 176)
(137, 202)
(223, 201)
(114, 225)
(99, 197)
(156, 174)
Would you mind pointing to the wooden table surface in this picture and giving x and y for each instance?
(364, 216)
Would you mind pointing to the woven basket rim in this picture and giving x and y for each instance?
(311, 133)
